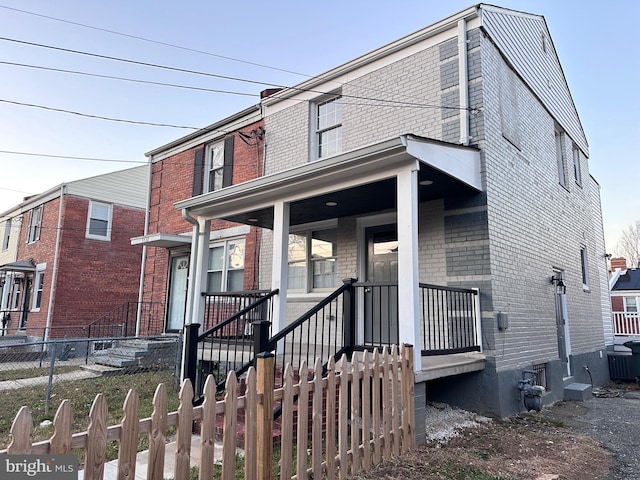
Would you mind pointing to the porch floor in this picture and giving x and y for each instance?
(439, 366)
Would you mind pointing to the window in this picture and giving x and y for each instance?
(35, 224)
(312, 260)
(585, 268)
(17, 289)
(214, 169)
(328, 127)
(562, 178)
(631, 304)
(38, 287)
(99, 221)
(7, 234)
(576, 165)
(225, 272)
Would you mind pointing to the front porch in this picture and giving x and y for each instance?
(449, 322)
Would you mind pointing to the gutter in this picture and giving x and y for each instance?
(144, 254)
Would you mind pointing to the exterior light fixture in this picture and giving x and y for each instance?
(252, 220)
(331, 204)
(425, 182)
(561, 288)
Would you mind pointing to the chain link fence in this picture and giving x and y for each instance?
(28, 363)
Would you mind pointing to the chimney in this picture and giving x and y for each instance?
(618, 263)
(268, 92)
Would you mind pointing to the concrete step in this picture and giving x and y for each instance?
(115, 361)
(578, 392)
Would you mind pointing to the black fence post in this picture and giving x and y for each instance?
(191, 348)
(349, 318)
(261, 336)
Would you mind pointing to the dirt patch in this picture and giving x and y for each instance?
(532, 446)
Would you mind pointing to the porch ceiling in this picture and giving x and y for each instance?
(355, 183)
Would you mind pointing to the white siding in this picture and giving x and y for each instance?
(124, 187)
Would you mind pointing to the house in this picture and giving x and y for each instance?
(625, 302)
(70, 256)
(444, 176)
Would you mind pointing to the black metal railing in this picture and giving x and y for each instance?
(449, 321)
(122, 320)
(379, 304)
(227, 342)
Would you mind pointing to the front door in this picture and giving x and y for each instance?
(177, 293)
(381, 292)
(562, 327)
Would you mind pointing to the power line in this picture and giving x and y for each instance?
(93, 159)
(98, 116)
(226, 77)
(166, 44)
(135, 80)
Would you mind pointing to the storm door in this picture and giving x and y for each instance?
(177, 293)
(381, 286)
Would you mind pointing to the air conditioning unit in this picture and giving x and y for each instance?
(621, 367)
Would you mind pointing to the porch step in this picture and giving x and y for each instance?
(10, 340)
(578, 392)
(142, 353)
(440, 366)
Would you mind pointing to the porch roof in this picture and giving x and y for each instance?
(355, 182)
(162, 240)
(27, 265)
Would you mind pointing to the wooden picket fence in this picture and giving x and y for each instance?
(359, 414)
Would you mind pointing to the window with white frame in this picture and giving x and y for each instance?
(7, 234)
(631, 304)
(585, 268)
(17, 290)
(577, 172)
(225, 272)
(35, 224)
(328, 127)
(313, 259)
(99, 221)
(214, 167)
(38, 287)
(562, 177)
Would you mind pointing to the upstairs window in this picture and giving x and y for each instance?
(562, 177)
(577, 172)
(328, 127)
(631, 304)
(99, 221)
(585, 268)
(35, 225)
(225, 272)
(7, 234)
(313, 260)
(214, 168)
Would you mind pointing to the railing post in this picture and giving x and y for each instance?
(261, 336)
(478, 313)
(264, 431)
(349, 319)
(191, 351)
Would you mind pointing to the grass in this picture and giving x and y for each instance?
(81, 394)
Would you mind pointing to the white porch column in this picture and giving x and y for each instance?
(199, 278)
(280, 263)
(408, 277)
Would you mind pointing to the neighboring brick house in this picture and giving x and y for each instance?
(453, 156)
(73, 258)
(226, 153)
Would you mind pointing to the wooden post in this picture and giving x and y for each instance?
(265, 365)
(408, 400)
(261, 336)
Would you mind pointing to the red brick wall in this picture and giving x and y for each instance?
(94, 276)
(617, 304)
(172, 181)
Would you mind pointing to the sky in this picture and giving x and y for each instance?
(277, 43)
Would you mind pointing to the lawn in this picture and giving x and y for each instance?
(81, 394)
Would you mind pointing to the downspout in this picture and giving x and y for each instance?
(463, 82)
(144, 252)
(56, 260)
(189, 306)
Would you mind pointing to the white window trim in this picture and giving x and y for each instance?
(225, 267)
(17, 289)
(92, 236)
(306, 230)
(6, 236)
(560, 160)
(209, 163)
(315, 131)
(584, 267)
(577, 167)
(40, 269)
(33, 231)
(624, 304)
